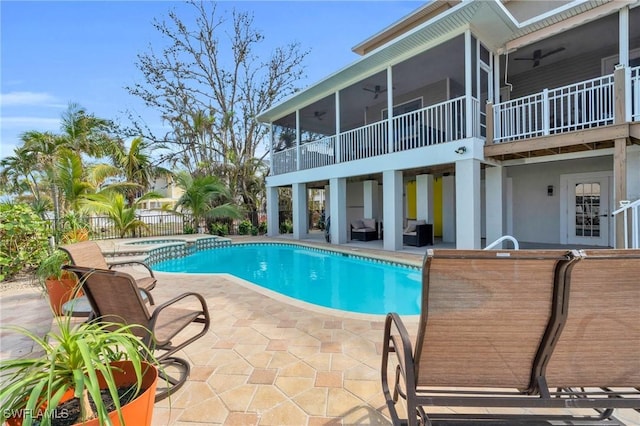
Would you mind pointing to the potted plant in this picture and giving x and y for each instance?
(59, 284)
(99, 372)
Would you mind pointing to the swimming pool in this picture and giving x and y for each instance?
(321, 277)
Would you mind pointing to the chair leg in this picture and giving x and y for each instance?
(168, 381)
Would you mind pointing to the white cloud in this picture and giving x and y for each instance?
(29, 98)
(34, 123)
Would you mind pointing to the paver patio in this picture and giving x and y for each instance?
(267, 359)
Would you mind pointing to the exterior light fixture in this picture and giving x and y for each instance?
(461, 150)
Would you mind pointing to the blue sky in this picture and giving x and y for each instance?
(54, 53)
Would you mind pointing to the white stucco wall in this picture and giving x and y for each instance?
(536, 216)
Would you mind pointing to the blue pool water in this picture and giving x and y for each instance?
(324, 278)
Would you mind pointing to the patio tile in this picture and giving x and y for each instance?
(224, 382)
(292, 386)
(265, 398)
(284, 414)
(263, 376)
(332, 379)
(205, 410)
(313, 401)
(241, 419)
(238, 399)
(278, 345)
(341, 402)
(334, 347)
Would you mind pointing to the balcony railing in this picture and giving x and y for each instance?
(566, 109)
(284, 161)
(318, 153)
(364, 142)
(635, 94)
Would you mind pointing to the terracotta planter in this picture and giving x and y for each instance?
(60, 292)
(138, 412)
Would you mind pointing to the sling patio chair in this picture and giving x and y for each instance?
(88, 254)
(483, 316)
(115, 297)
(597, 355)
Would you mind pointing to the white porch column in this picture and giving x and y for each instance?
(300, 210)
(390, 108)
(338, 149)
(338, 210)
(623, 52)
(494, 202)
(468, 204)
(371, 202)
(298, 133)
(424, 198)
(273, 211)
(448, 209)
(392, 208)
(468, 83)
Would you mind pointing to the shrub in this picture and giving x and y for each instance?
(23, 239)
(262, 227)
(286, 227)
(219, 229)
(244, 227)
(254, 230)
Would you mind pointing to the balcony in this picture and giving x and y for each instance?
(581, 106)
(435, 124)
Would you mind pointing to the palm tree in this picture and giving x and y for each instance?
(204, 197)
(136, 166)
(114, 205)
(69, 177)
(85, 133)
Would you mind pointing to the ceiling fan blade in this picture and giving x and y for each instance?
(552, 52)
(523, 59)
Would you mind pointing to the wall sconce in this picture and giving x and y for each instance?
(550, 191)
(461, 150)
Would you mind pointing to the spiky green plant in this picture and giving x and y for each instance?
(73, 355)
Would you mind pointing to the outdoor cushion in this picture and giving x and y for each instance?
(369, 223)
(357, 224)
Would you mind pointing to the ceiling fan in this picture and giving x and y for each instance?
(538, 56)
(319, 114)
(377, 89)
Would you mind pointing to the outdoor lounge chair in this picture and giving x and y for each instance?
(115, 297)
(597, 355)
(491, 335)
(88, 254)
(418, 233)
(364, 230)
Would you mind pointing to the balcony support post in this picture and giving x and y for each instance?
(298, 132)
(273, 212)
(490, 129)
(623, 24)
(300, 210)
(546, 112)
(392, 209)
(468, 84)
(467, 197)
(495, 184)
(424, 198)
(619, 187)
(338, 210)
(338, 144)
(390, 131)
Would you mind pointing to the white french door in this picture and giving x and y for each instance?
(588, 212)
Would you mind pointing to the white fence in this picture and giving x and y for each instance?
(284, 161)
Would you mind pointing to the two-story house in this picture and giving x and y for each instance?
(481, 117)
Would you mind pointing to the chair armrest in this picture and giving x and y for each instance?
(159, 308)
(131, 262)
(405, 360)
